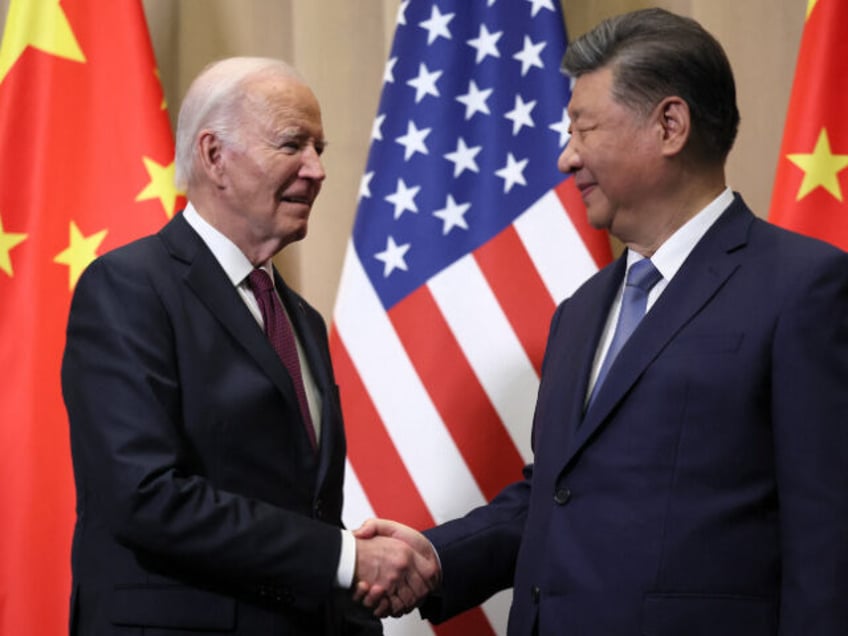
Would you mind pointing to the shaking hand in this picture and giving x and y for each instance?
(396, 567)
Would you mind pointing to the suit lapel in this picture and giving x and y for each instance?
(211, 285)
(319, 366)
(711, 263)
(304, 330)
(309, 340)
(575, 350)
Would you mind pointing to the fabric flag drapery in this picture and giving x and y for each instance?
(87, 165)
(811, 185)
(466, 236)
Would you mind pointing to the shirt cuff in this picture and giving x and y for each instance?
(347, 561)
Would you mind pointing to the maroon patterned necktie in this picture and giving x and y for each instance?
(279, 332)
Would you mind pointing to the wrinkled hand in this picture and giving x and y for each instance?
(396, 567)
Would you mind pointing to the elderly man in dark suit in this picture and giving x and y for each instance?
(206, 432)
(691, 429)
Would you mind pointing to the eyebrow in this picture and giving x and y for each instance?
(298, 133)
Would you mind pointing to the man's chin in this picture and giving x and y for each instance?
(597, 219)
(299, 232)
(292, 235)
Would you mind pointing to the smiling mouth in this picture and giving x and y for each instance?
(300, 200)
(585, 188)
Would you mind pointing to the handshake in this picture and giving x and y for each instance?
(396, 568)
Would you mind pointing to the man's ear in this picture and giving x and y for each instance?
(675, 123)
(211, 156)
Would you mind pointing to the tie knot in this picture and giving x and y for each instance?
(259, 281)
(643, 275)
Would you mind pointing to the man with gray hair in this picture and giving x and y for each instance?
(206, 430)
(690, 474)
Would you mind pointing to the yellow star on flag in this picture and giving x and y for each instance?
(161, 185)
(41, 24)
(821, 168)
(164, 104)
(79, 254)
(811, 4)
(8, 240)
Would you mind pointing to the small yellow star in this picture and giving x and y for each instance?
(79, 254)
(41, 24)
(164, 104)
(821, 168)
(811, 4)
(161, 185)
(8, 240)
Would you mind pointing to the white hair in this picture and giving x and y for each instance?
(213, 102)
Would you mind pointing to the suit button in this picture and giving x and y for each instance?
(318, 509)
(562, 496)
(535, 593)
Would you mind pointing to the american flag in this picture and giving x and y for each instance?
(466, 236)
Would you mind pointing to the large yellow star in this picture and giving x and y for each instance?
(8, 240)
(821, 168)
(41, 24)
(79, 254)
(161, 185)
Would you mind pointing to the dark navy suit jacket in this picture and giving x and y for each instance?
(200, 504)
(705, 491)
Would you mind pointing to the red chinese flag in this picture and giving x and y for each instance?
(86, 165)
(811, 184)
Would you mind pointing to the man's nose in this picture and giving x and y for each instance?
(313, 167)
(569, 159)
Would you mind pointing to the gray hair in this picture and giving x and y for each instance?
(214, 101)
(654, 54)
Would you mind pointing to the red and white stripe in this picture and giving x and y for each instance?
(438, 393)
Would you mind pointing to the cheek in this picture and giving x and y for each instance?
(621, 165)
(284, 171)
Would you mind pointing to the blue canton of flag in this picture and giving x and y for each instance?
(471, 120)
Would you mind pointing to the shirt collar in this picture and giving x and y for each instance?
(231, 258)
(673, 252)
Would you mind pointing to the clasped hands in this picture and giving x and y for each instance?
(396, 567)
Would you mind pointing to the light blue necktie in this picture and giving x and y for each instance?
(641, 277)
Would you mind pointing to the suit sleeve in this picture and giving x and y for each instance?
(810, 417)
(478, 552)
(121, 386)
